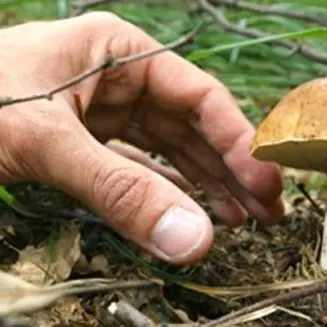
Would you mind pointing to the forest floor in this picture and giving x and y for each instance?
(47, 237)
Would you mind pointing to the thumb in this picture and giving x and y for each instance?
(137, 202)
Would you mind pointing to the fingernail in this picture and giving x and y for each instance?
(178, 233)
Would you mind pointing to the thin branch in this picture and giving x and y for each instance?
(128, 315)
(306, 194)
(270, 10)
(220, 19)
(131, 317)
(109, 62)
(281, 299)
(80, 286)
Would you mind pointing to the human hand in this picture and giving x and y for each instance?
(162, 103)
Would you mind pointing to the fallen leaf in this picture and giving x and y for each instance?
(65, 312)
(34, 264)
(98, 263)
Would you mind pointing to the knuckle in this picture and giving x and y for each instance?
(102, 21)
(127, 37)
(122, 193)
(100, 17)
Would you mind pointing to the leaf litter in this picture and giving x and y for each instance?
(245, 265)
(57, 242)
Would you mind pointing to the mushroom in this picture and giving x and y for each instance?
(294, 134)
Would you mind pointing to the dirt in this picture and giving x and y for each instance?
(248, 257)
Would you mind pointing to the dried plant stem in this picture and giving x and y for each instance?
(220, 19)
(131, 317)
(307, 195)
(281, 299)
(128, 315)
(109, 62)
(126, 312)
(270, 10)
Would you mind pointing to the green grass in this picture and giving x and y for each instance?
(261, 74)
(257, 74)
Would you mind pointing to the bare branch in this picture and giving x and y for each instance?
(131, 317)
(281, 299)
(128, 315)
(109, 62)
(220, 19)
(270, 10)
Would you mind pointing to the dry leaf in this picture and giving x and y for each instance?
(98, 263)
(7, 223)
(34, 264)
(13, 291)
(18, 296)
(65, 312)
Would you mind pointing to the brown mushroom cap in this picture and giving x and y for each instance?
(294, 134)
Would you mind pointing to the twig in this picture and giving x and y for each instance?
(270, 10)
(80, 286)
(109, 62)
(128, 315)
(219, 18)
(19, 297)
(281, 299)
(131, 317)
(302, 189)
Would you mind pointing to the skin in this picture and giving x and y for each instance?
(163, 104)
